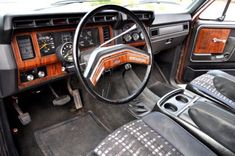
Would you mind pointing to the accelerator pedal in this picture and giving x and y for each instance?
(76, 95)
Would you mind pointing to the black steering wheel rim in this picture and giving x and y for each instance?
(77, 53)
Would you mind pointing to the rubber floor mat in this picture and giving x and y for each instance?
(73, 137)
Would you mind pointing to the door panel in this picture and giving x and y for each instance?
(212, 46)
(211, 41)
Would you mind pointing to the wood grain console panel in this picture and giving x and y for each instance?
(51, 62)
(211, 41)
(116, 59)
(53, 72)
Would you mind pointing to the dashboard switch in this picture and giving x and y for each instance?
(41, 74)
(30, 77)
(33, 74)
(63, 69)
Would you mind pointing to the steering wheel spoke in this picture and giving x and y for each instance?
(107, 58)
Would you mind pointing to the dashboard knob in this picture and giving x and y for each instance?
(41, 74)
(135, 36)
(127, 37)
(30, 77)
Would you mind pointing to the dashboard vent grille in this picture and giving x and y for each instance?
(106, 32)
(110, 18)
(60, 21)
(24, 24)
(99, 19)
(74, 20)
(155, 32)
(38, 22)
(105, 18)
(142, 16)
(42, 22)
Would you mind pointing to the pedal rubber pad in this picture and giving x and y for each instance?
(25, 118)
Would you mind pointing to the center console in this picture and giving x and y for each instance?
(207, 120)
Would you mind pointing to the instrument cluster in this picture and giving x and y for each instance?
(133, 36)
(61, 42)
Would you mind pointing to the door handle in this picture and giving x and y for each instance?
(218, 40)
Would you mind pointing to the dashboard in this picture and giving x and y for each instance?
(43, 53)
(30, 42)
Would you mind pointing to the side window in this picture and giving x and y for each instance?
(215, 10)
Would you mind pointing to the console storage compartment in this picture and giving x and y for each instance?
(176, 101)
(208, 120)
(215, 122)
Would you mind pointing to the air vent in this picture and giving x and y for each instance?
(43, 22)
(155, 32)
(106, 32)
(99, 19)
(74, 20)
(146, 16)
(24, 24)
(46, 21)
(105, 18)
(140, 16)
(185, 26)
(110, 18)
(60, 21)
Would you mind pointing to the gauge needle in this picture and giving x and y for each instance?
(43, 46)
(65, 56)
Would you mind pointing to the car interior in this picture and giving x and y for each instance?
(109, 77)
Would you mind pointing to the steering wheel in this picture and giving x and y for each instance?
(106, 57)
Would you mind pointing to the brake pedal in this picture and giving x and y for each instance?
(59, 100)
(24, 118)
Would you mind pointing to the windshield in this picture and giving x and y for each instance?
(158, 6)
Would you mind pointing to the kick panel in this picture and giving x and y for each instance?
(211, 41)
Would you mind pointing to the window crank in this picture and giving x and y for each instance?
(216, 40)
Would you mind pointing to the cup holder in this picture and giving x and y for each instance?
(171, 107)
(181, 98)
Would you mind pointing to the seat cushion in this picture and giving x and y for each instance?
(155, 134)
(217, 85)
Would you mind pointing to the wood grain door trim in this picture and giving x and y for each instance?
(211, 40)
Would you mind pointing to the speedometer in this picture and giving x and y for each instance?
(66, 51)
